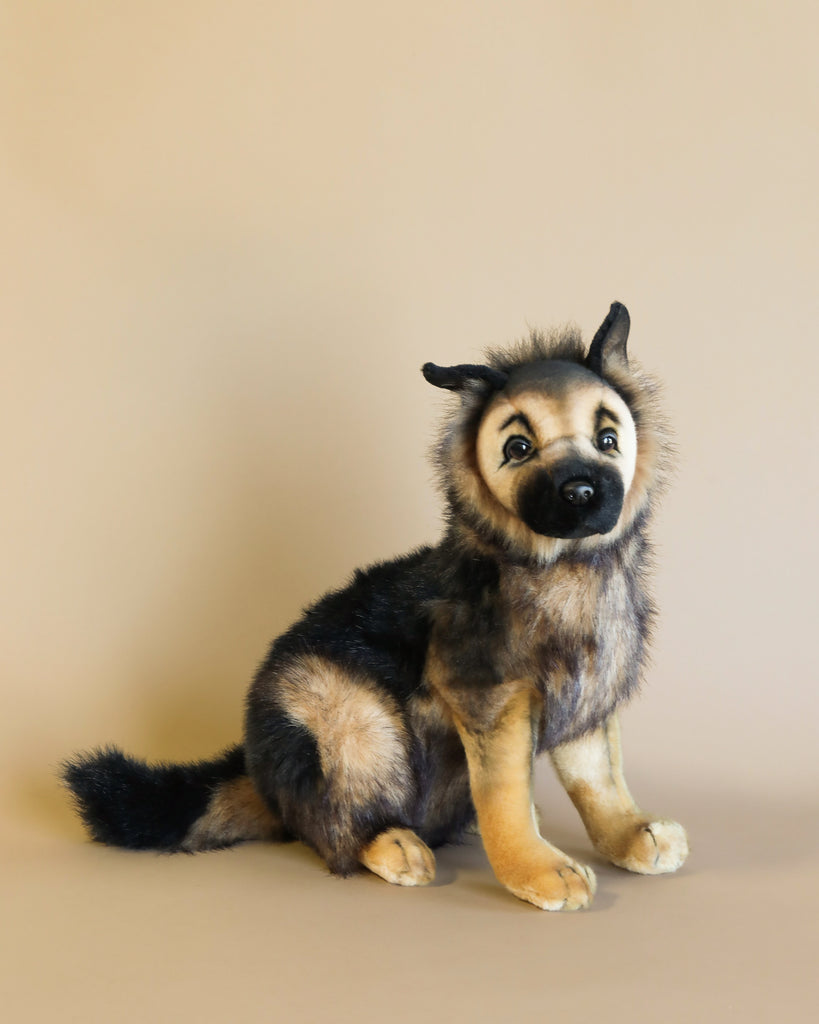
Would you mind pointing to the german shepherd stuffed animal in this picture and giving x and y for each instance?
(415, 699)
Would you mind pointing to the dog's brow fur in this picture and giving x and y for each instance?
(605, 414)
(517, 417)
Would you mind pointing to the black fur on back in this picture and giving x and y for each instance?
(378, 623)
(126, 802)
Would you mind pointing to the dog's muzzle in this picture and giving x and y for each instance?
(573, 499)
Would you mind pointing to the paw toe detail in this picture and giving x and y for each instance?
(655, 848)
(400, 857)
(565, 886)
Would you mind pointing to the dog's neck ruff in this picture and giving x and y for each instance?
(473, 533)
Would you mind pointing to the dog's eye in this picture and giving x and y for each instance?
(517, 449)
(607, 440)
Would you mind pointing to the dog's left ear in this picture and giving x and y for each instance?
(608, 347)
(457, 378)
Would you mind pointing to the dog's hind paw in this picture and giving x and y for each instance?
(400, 857)
(653, 848)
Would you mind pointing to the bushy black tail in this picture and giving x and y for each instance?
(170, 807)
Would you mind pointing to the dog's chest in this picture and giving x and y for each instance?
(565, 603)
(572, 631)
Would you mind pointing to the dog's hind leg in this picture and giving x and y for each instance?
(329, 749)
(591, 770)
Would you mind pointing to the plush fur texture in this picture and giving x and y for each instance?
(415, 698)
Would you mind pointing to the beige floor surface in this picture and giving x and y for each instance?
(262, 933)
(232, 233)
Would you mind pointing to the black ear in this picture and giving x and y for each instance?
(456, 378)
(608, 347)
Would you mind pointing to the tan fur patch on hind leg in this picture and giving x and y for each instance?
(236, 813)
(400, 857)
(591, 769)
(359, 732)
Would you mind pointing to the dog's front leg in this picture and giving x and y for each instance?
(500, 757)
(591, 770)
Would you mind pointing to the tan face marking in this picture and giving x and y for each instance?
(556, 425)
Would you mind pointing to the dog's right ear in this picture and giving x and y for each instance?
(608, 347)
(457, 378)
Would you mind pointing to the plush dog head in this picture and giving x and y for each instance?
(557, 447)
(552, 445)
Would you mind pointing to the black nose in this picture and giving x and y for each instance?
(577, 492)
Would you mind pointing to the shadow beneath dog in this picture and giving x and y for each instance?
(467, 865)
(726, 829)
(729, 830)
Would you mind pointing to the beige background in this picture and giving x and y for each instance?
(231, 235)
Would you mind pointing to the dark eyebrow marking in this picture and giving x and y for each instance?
(605, 414)
(517, 417)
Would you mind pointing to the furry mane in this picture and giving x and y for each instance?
(563, 343)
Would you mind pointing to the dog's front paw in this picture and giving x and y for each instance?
(562, 885)
(652, 848)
